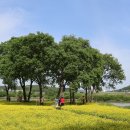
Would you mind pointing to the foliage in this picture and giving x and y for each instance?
(112, 97)
(113, 73)
(127, 88)
(73, 62)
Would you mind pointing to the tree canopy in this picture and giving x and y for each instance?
(38, 58)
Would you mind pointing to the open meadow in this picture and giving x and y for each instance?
(70, 117)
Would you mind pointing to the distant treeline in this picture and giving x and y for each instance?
(124, 89)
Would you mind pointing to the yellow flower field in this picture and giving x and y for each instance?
(85, 117)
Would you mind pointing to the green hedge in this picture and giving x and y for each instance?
(119, 97)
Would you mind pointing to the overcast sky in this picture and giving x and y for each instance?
(106, 23)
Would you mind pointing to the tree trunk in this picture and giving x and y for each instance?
(91, 95)
(24, 94)
(60, 91)
(22, 83)
(73, 97)
(86, 94)
(40, 94)
(70, 96)
(30, 91)
(7, 94)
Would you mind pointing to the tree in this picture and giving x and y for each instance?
(73, 87)
(38, 49)
(64, 60)
(113, 72)
(6, 70)
(90, 59)
(9, 84)
(27, 53)
(37, 58)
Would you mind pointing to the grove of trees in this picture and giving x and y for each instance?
(72, 62)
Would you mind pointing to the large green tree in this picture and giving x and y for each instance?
(113, 72)
(65, 60)
(6, 70)
(27, 53)
(36, 58)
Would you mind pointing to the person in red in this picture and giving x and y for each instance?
(62, 101)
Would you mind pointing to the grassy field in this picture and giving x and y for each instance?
(84, 117)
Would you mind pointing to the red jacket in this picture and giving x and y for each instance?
(62, 100)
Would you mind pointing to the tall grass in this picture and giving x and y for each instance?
(85, 117)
